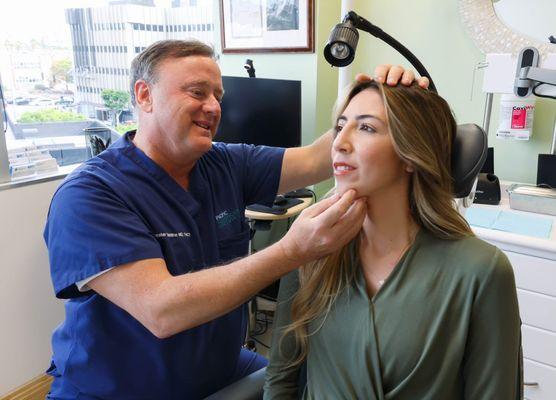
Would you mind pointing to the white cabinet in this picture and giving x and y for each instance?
(535, 275)
(540, 381)
(537, 309)
(535, 279)
(534, 264)
(539, 345)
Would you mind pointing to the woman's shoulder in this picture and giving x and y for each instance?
(469, 256)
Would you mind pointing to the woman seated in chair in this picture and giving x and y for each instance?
(416, 307)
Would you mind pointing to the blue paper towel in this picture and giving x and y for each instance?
(523, 224)
(508, 221)
(482, 217)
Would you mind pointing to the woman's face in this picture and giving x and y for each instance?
(363, 153)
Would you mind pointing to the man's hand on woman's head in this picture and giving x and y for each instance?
(392, 75)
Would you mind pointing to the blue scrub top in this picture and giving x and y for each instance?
(122, 207)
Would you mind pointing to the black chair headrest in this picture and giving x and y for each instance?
(469, 152)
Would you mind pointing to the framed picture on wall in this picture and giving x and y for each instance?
(263, 26)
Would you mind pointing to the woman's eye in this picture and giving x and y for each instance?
(367, 128)
(337, 129)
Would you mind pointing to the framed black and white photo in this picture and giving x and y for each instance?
(260, 26)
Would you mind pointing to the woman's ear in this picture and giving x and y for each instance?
(409, 169)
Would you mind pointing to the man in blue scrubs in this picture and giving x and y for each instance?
(145, 241)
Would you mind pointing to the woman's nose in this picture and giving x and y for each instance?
(342, 142)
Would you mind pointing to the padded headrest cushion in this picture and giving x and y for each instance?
(469, 152)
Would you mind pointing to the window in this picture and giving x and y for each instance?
(59, 59)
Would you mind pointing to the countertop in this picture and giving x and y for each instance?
(545, 248)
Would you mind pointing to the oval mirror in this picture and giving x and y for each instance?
(507, 26)
(534, 18)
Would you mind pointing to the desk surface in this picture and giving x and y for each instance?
(291, 212)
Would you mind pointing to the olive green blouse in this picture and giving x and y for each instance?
(444, 326)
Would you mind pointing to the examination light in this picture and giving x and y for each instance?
(342, 43)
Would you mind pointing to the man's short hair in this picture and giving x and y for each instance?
(144, 65)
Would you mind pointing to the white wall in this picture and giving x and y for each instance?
(29, 310)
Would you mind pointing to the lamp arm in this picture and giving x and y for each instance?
(364, 25)
(541, 75)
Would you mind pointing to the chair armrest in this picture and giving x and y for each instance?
(247, 388)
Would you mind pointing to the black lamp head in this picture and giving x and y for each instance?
(340, 49)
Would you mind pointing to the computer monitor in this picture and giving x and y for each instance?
(260, 112)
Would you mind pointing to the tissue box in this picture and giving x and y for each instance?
(533, 199)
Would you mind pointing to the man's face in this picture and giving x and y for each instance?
(186, 104)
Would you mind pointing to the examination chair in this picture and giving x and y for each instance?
(469, 152)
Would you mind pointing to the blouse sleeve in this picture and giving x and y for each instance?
(492, 360)
(281, 378)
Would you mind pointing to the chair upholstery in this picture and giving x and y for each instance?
(469, 153)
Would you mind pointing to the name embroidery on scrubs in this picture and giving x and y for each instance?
(172, 234)
(225, 218)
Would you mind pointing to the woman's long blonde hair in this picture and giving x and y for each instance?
(422, 127)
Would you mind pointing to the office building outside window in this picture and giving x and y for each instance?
(105, 40)
(57, 59)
